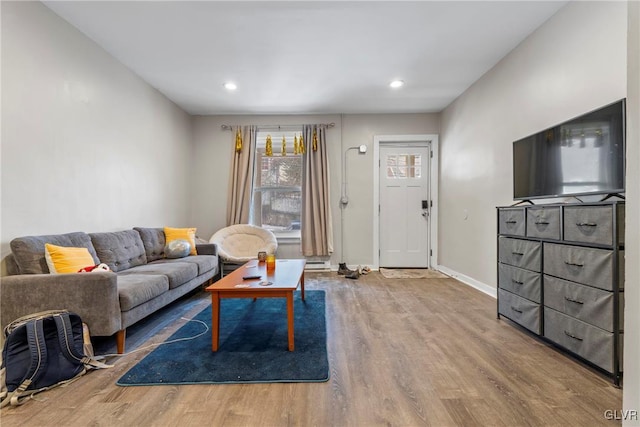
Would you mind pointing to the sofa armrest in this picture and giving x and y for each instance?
(93, 296)
(207, 249)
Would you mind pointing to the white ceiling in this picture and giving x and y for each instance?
(296, 57)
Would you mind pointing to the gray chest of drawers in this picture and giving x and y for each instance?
(561, 276)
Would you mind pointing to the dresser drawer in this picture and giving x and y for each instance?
(592, 224)
(519, 281)
(590, 266)
(587, 341)
(591, 305)
(519, 310)
(520, 253)
(543, 222)
(511, 221)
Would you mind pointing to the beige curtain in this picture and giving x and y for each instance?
(241, 179)
(316, 227)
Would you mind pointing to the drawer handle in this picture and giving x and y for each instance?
(517, 282)
(573, 300)
(574, 264)
(542, 222)
(586, 224)
(516, 310)
(518, 253)
(573, 336)
(511, 222)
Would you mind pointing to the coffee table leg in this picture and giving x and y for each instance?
(302, 285)
(215, 321)
(290, 319)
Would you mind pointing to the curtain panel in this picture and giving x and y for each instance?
(242, 173)
(316, 227)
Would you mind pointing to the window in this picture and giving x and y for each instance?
(402, 166)
(276, 197)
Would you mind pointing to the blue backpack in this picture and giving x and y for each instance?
(41, 351)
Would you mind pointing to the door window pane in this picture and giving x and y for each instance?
(402, 166)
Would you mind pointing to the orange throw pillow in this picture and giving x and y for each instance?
(188, 234)
(61, 259)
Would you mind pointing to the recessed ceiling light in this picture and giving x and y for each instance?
(396, 84)
(230, 86)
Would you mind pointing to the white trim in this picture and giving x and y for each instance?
(482, 287)
(432, 140)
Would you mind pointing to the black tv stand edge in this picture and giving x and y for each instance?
(610, 195)
(523, 201)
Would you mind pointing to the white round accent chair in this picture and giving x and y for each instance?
(240, 243)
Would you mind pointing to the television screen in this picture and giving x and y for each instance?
(582, 156)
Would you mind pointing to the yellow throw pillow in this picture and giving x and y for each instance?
(61, 259)
(188, 234)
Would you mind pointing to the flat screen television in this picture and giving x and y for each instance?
(583, 156)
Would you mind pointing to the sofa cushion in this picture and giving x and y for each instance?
(154, 241)
(29, 251)
(204, 262)
(120, 250)
(178, 273)
(136, 289)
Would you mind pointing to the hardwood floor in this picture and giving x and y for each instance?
(407, 352)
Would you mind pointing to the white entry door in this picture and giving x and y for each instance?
(404, 205)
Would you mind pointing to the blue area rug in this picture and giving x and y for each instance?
(253, 346)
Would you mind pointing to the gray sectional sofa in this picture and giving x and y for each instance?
(141, 280)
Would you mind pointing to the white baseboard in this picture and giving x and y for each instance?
(482, 287)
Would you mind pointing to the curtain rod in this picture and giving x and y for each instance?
(279, 127)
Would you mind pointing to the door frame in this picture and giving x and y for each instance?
(432, 140)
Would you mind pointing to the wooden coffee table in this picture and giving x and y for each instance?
(284, 280)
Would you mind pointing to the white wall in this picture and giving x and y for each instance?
(212, 158)
(631, 391)
(86, 144)
(560, 71)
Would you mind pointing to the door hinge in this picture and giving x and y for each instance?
(431, 154)
(430, 252)
(431, 203)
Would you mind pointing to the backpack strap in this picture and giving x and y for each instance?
(18, 397)
(38, 349)
(65, 337)
(38, 365)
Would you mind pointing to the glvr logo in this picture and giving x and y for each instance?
(626, 414)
